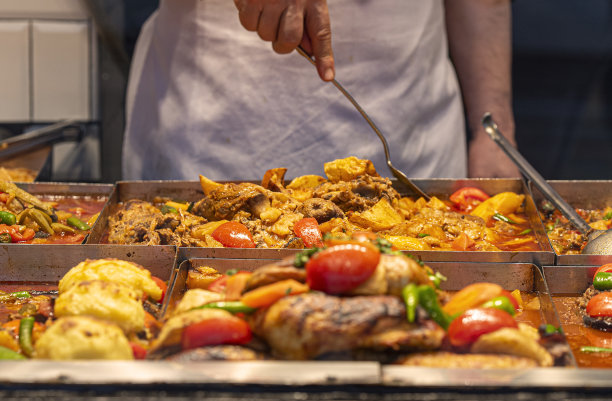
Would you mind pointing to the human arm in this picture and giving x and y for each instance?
(289, 23)
(479, 36)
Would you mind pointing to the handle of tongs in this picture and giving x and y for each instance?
(396, 173)
(527, 169)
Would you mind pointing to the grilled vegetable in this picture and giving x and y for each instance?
(234, 235)
(602, 281)
(25, 335)
(465, 329)
(410, 293)
(308, 230)
(7, 218)
(428, 299)
(501, 303)
(14, 295)
(230, 306)
(77, 223)
(600, 305)
(215, 331)
(6, 353)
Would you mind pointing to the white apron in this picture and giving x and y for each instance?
(207, 97)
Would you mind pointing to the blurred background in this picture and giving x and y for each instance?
(76, 55)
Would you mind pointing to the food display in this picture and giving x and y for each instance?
(564, 237)
(17, 174)
(51, 219)
(298, 214)
(587, 320)
(353, 299)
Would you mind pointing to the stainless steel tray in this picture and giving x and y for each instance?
(581, 194)
(191, 191)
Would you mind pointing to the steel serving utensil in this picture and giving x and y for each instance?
(396, 173)
(599, 241)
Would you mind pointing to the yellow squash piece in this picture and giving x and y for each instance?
(208, 185)
(504, 203)
(348, 169)
(408, 243)
(379, 217)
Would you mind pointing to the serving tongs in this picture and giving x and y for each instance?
(64, 130)
(396, 173)
(599, 241)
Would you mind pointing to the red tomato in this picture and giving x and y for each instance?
(341, 268)
(467, 197)
(308, 230)
(219, 285)
(508, 294)
(473, 323)
(607, 268)
(162, 285)
(16, 236)
(215, 331)
(139, 351)
(600, 305)
(234, 235)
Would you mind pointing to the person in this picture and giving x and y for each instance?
(207, 96)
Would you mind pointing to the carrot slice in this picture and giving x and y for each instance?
(268, 294)
(235, 285)
(462, 243)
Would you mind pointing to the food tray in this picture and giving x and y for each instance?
(580, 194)
(191, 191)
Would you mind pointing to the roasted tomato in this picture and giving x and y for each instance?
(216, 331)
(466, 329)
(467, 198)
(308, 230)
(16, 235)
(600, 305)
(139, 351)
(234, 235)
(341, 268)
(607, 268)
(162, 285)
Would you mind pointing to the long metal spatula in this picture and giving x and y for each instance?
(599, 241)
(396, 173)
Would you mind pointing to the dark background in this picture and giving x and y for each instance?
(562, 82)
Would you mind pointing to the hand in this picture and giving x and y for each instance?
(487, 160)
(289, 23)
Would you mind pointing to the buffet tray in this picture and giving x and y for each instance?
(592, 194)
(191, 191)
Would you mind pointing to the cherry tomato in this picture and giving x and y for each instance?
(218, 285)
(466, 329)
(308, 230)
(162, 285)
(234, 235)
(607, 268)
(139, 351)
(600, 305)
(341, 268)
(467, 198)
(16, 236)
(215, 331)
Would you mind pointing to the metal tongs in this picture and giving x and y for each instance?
(599, 241)
(396, 173)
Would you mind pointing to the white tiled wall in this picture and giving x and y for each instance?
(14, 71)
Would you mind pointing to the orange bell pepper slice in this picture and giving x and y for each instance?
(269, 294)
(471, 296)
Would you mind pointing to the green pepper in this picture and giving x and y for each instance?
(6, 353)
(165, 209)
(501, 217)
(5, 238)
(8, 218)
(436, 278)
(608, 216)
(422, 235)
(190, 206)
(595, 349)
(410, 293)
(525, 232)
(230, 306)
(77, 223)
(502, 303)
(25, 335)
(301, 258)
(551, 329)
(11, 296)
(603, 281)
(428, 299)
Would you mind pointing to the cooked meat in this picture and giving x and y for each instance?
(134, 223)
(357, 195)
(322, 210)
(392, 274)
(586, 297)
(216, 353)
(599, 323)
(227, 200)
(269, 274)
(466, 361)
(311, 325)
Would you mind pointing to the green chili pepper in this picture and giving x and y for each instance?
(501, 217)
(25, 335)
(595, 349)
(6, 353)
(230, 306)
(428, 299)
(525, 232)
(303, 257)
(603, 281)
(550, 329)
(77, 223)
(410, 293)
(190, 207)
(5, 238)
(502, 303)
(8, 218)
(168, 209)
(436, 278)
(608, 216)
(422, 235)
(11, 296)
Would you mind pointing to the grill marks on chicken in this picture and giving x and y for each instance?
(311, 325)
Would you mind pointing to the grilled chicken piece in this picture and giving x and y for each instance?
(135, 224)
(308, 326)
(269, 274)
(466, 361)
(217, 353)
(228, 199)
(357, 195)
(322, 210)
